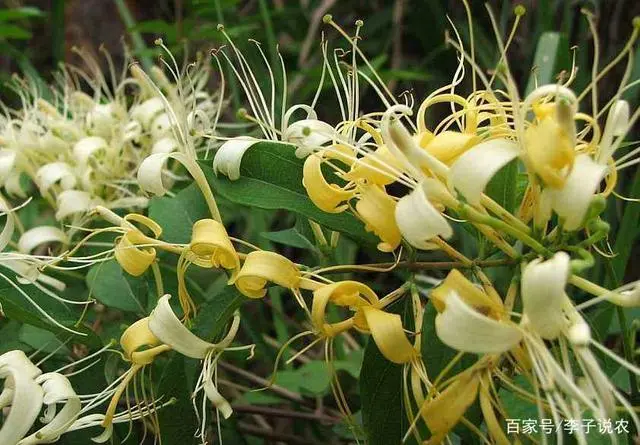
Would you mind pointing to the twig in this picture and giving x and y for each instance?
(290, 395)
(279, 437)
(424, 265)
(278, 412)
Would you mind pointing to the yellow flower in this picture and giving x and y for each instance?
(140, 347)
(385, 328)
(327, 197)
(376, 209)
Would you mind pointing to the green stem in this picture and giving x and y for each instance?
(477, 217)
(138, 41)
(57, 32)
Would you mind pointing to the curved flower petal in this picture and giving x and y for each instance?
(137, 337)
(19, 360)
(216, 399)
(57, 389)
(419, 221)
(133, 259)
(49, 174)
(473, 170)
(85, 148)
(376, 209)
(572, 201)
(352, 294)
(40, 235)
(71, 202)
(166, 326)
(448, 145)
(543, 295)
(169, 330)
(9, 224)
(26, 402)
(13, 186)
(444, 412)
(327, 197)
(463, 328)
(308, 135)
(210, 240)
(150, 173)
(388, 333)
(617, 124)
(7, 163)
(260, 267)
(229, 156)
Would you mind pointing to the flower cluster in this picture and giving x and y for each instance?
(412, 185)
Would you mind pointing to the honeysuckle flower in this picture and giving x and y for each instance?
(40, 235)
(21, 393)
(167, 328)
(74, 203)
(133, 259)
(81, 149)
(385, 328)
(229, 156)
(212, 247)
(330, 198)
(308, 135)
(376, 209)
(473, 170)
(140, 347)
(261, 267)
(550, 142)
(57, 389)
(549, 314)
(419, 221)
(471, 320)
(55, 172)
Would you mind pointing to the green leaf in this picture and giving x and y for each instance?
(289, 237)
(271, 178)
(41, 339)
(16, 306)
(113, 287)
(10, 31)
(19, 13)
(503, 186)
(216, 312)
(435, 354)
(552, 53)
(177, 215)
(178, 420)
(381, 381)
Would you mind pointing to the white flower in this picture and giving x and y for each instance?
(57, 389)
(309, 135)
(54, 172)
(169, 330)
(473, 170)
(21, 393)
(418, 220)
(32, 238)
(543, 295)
(229, 156)
(572, 201)
(463, 328)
